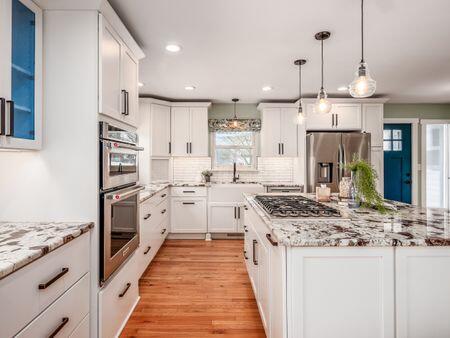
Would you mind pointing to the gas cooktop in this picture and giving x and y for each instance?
(295, 206)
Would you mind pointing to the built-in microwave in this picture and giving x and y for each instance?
(120, 228)
(119, 155)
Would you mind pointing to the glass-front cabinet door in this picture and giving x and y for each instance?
(21, 92)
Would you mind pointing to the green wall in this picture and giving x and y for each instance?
(226, 110)
(421, 111)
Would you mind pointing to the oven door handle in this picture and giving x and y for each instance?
(117, 196)
(118, 145)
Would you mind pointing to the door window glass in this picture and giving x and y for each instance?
(392, 140)
(23, 70)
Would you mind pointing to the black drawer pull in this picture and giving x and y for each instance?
(147, 216)
(54, 279)
(188, 192)
(163, 231)
(2, 115)
(125, 290)
(245, 207)
(163, 195)
(245, 228)
(188, 203)
(255, 262)
(64, 321)
(269, 237)
(163, 211)
(245, 255)
(148, 249)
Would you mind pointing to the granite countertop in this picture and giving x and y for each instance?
(152, 189)
(22, 243)
(282, 184)
(408, 226)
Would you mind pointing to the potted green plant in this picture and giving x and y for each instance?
(363, 187)
(207, 175)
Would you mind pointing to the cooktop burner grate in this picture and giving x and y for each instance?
(295, 206)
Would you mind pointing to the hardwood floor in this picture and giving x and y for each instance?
(195, 288)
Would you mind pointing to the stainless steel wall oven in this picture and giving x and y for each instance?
(119, 197)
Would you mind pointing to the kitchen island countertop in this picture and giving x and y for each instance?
(408, 226)
(21, 243)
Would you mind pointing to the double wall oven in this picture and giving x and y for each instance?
(119, 197)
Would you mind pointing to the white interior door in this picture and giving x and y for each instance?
(435, 164)
(180, 131)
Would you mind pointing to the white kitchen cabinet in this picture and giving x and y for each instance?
(343, 116)
(422, 292)
(373, 122)
(279, 132)
(180, 130)
(263, 261)
(188, 215)
(377, 161)
(160, 130)
(224, 217)
(118, 298)
(20, 74)
(189, 131)
(118, 77)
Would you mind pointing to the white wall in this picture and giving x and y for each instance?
(60, 182)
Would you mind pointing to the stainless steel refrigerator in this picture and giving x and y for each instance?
(328, 153)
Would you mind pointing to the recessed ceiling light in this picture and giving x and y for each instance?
(189, 87)
(173, 48)
(267, 88)
(140, 84)
(343, 88)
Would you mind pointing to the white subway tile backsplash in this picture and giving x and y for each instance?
(270, 169)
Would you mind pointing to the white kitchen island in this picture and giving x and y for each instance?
(364, 275)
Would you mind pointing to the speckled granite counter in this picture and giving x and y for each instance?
(154, 188)
(24, 242)
(282, 185)
(409, 226)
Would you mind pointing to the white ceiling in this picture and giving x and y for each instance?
(232, 48)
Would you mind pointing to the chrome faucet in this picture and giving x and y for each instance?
(235, 177)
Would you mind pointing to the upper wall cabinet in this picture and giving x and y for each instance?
(160, 130)
(343, 116)
(279, 132)
(118, 77)
(373, 122)
(20, 75)
(189, 131)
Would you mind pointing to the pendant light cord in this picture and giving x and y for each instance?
(362, 31)
(300, 84)
(321, 43)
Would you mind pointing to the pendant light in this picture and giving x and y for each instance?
(363, 85)
(235, 119)
(322, 104)
(300, 113)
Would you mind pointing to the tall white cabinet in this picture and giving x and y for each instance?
(279, 134)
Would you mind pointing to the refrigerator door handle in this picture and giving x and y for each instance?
(341, 162)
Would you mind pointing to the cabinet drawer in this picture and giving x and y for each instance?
(188, 191)
(64, 315)
(22, 292)
(82, 330)
(118, 298)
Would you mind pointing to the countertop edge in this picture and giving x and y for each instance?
(16, 266)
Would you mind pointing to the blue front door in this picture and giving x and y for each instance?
(397, 162)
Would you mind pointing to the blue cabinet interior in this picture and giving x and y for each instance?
(23, 70)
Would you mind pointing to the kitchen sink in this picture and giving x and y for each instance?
(232, 192)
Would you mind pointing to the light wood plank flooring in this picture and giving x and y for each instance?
(195, 288)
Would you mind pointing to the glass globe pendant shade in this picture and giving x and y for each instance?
(300, 114)
(322, 104)
(363, 85)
